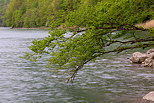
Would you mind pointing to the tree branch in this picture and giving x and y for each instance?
(132, 41)
(118, 50)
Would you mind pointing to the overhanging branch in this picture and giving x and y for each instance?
(132, 41)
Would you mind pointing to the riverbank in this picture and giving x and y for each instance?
(147, 24)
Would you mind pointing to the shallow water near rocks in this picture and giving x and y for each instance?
(110, 79)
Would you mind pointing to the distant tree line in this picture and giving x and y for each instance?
(37, 13)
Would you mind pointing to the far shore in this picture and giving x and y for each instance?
(146, 25)
(46, 28)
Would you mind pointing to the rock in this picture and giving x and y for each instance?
(146, 59)
(150, 51)
(149, 96)
(138, 57)
(148, 62)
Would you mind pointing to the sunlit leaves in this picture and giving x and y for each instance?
(94, 29)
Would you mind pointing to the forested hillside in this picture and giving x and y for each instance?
(36, 13)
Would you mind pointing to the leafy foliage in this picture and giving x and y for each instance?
(94, 29)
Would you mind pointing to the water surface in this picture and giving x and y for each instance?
(111, 79)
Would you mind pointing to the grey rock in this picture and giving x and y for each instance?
(138, 57)
(145, 59)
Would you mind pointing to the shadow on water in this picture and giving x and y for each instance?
(110, 79)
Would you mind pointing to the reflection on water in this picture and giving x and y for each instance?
(111, 79)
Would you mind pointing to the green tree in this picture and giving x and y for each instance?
(97, 29)
(13, 13)
(36, 13)
(3, 6)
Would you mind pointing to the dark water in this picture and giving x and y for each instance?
(111, 79)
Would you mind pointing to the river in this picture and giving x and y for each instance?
(110, 79)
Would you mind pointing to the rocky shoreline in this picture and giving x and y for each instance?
(31, 28)
(146, 60)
